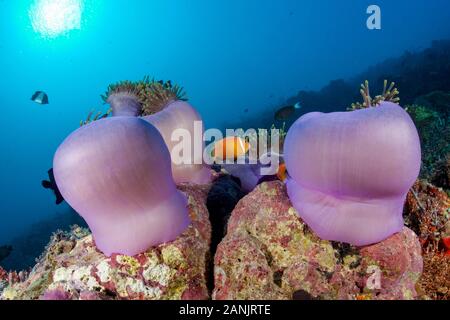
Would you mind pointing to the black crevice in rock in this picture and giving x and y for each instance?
(223, 196)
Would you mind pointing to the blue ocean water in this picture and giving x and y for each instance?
(228, 55)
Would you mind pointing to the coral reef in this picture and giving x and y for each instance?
(441, 174)
(427, 212)
(435, 281)
(415, 74)
(270, 253)
(431, 114)
(345, 187)
(73, 268)
(3, 279)
(116, 174)
(31, 243)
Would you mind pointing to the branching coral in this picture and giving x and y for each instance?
(389, 94)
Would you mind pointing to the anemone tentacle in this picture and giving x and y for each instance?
(149, 94)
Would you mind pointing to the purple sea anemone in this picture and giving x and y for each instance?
(181, 115)
(164, 105)
(116, 174)
(350, 171)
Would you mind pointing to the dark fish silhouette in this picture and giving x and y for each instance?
(5, 252)
(40, 97)
(51, 184)
(286, 112)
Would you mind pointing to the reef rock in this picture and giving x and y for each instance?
(73, 268)
(270, 253)
(3, 279)
(427, 212)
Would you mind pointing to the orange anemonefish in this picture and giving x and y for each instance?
(282, 173)
(230, 148)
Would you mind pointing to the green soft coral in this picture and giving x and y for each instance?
(432, 119)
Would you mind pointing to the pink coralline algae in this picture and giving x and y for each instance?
(56, 294)
(72, 267)
(350, 171)
(270, 253)
(116, 174)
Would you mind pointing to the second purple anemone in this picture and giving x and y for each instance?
(350, 171)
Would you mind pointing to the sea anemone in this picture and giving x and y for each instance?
(350, 171)
(116, 174)
(180, 115)
(142, 98)
(163, 105)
